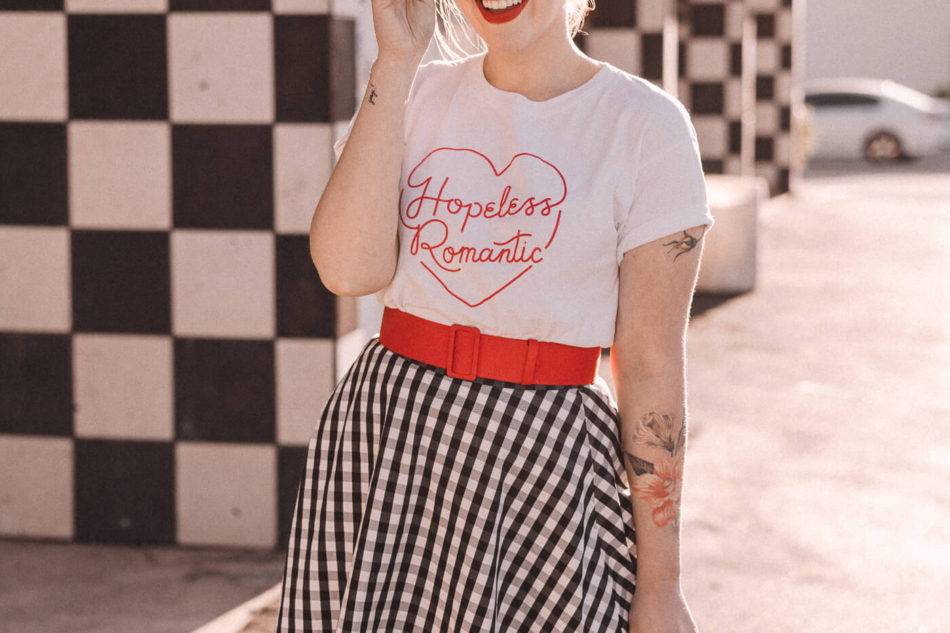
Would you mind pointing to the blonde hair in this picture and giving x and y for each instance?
(455, 37)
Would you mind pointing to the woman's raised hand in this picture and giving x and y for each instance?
(403, 28)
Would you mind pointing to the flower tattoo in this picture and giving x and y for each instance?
(659, 483)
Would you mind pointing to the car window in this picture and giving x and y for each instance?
(840, 99)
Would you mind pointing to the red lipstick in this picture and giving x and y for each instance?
(505, 16)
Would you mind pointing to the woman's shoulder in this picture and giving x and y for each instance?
(654, 112)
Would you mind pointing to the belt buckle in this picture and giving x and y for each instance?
(454, 329)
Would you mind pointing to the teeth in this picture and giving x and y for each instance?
(498, 5)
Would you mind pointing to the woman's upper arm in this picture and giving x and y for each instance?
(656, 287)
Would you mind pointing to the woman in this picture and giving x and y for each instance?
(515, 210)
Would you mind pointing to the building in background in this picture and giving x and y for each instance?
(908, 42)
(166, 345)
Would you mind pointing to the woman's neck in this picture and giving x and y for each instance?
(550, 66)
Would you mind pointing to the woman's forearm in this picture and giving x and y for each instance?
(353, 233)
(653, 435)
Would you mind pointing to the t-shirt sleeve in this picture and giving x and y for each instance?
(669, 193)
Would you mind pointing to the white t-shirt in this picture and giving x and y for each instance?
(515, 214)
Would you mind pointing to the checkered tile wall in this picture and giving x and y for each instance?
(728, 61)
(165, 341)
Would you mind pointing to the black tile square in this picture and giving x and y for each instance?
(651, 45)
(735, 137)
(787, 56)
(291, 465)
(36, 387)
(342, 69)
(614, 14)
(304, 306)
(764, 148)
(707, 97)
(713, 166)
(121, 282)
(117, 67)
(219, 5)
(315, 68)
(222, 176)
(125, 492)
(764, 87)
(224, 390)
(33, 176)
(681, 59)
(765, 25)
(735, 59)
(31, 5)
(784, 184)
(785, 118)
(709, 20)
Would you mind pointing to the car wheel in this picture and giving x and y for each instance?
(883, 147)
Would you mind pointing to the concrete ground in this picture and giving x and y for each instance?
(80, 588)
(816, 494)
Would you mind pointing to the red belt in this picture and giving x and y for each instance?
(465, 352)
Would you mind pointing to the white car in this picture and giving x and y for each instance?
(878, 119)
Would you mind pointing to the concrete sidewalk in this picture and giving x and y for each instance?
(817, 495)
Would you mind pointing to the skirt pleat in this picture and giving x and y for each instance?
(433, 503)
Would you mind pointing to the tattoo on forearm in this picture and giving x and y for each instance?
(684, 244)
(372, 94)
(659, 483)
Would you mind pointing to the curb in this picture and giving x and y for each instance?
(237, 619)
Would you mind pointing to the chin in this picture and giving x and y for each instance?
(510, 36)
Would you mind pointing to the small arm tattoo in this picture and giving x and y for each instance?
(684, 244)
(659, 483)
(372, 94)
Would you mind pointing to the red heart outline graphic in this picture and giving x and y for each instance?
(462, 194)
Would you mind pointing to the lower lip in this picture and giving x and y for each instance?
(505, 16)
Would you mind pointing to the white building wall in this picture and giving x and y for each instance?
(907, 40)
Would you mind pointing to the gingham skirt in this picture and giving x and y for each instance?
(434, 503)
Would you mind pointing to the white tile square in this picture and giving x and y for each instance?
(123, 386)
(620, 47)
(36, 486)
(303, 160)
(120, 174)
(766, 57)
(782, 147)
(735, 15)
(35, 287)
(784, 26)
(651, 15)
(762, 6)
(223, 283)
(707, 59)
(305, 380)
(733, 164)
(226, 494)
(116, 6)
(301, 6)
(33, 77)
(713, 135)
(221, 67)
(766, 118)
(732, 97)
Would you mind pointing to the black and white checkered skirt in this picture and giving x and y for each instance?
(433, 503)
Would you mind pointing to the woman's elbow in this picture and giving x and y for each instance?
(349, 281)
